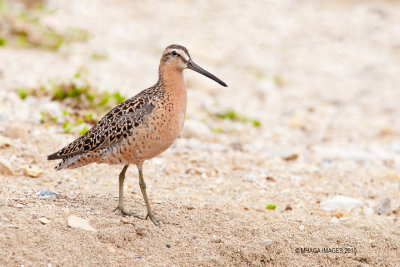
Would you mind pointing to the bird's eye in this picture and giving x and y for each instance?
(174, 53)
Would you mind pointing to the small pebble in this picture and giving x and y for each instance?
(334, 220)
(216, 239)
(44, 220)
(77, 222)
(19, 206)
(267, 243)
(2, 203)
(5, 167)
(237, 146)
(168, 245)
(140, 231)
(4, 219)
(297, 122)
(341, 202)
(195, 129)
(291, 157)
(301, 227)
(4, 142)
(249, 178)
(383, 207)
(396, 211)
(47, 194)
(338, 214)
(288, 208)
(32, 171)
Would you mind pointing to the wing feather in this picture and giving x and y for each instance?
(112, 128)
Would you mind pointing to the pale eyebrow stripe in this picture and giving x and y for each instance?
(185, 56)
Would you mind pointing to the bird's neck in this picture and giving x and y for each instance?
(172, 79)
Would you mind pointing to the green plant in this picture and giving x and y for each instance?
(99, 56)
(270, 206)
(25, 28)
(3, 41)
(83, 104)
(22, 92)
(232, 115)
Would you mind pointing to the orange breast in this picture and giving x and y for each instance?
(162, 128)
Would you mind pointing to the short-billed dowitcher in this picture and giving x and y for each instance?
(139, 128)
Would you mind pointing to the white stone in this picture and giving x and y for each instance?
(44, 220)
(383, 207)
(195, 129)
(341, 202)
(5, 167)
(334, 220)
(32, 171)
(267, 243)
(77, 222)
(5, 142)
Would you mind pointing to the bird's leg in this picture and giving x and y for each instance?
(121, 194)
(142, 185)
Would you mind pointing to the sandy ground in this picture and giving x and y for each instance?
(322, 78)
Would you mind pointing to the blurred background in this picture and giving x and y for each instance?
(311, 112)
(279, 58)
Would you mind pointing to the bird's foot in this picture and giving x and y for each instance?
(127, 213)
(156, 220)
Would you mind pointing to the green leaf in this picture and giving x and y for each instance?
(90, 96)
(42, 116)
(256, 123)
(67, 126)
(3, 41)
(99, 56)
(89, 117)
(39, 6)
(22, 92)
(21, 40)
(74, 92)
(59, 94)
(105, 99)
(119, 98)
(278, 81)
(53, 119)
(77, 34)
(230, 114)
(270, 206)
(80, 121)
(84, 130)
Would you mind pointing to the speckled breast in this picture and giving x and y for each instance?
(158, 132)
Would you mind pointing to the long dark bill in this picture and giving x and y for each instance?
(193, 66)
